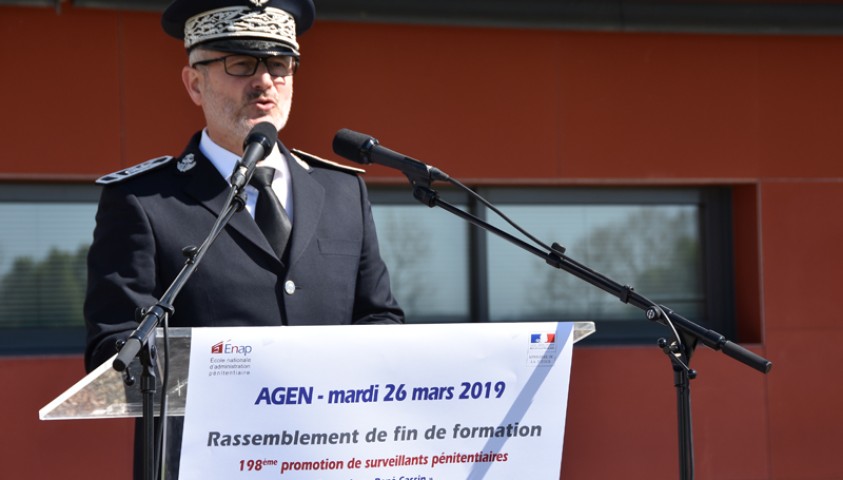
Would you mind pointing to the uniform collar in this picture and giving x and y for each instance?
(225, 161)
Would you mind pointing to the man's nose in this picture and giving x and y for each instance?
(263, 77)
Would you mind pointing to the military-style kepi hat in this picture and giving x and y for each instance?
(262, 27)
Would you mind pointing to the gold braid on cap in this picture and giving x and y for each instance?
(231, 22)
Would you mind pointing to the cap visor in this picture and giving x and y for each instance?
(248, 46)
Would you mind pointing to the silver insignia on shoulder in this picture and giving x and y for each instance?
(135, 170)
(186, 163)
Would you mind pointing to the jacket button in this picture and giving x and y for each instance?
(290, 287)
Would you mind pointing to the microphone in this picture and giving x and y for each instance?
(258, 144)
(361, 148)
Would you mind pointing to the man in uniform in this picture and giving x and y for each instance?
(326, 267)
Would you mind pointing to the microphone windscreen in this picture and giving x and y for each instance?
(353, 145)
(265, 133)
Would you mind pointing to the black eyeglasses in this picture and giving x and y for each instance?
(246, 65)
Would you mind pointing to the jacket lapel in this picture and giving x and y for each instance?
(308, 201)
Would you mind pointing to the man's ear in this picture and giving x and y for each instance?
(192, 80)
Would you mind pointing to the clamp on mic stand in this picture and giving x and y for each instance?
(679, 355)
(686, 333)
(139, 344)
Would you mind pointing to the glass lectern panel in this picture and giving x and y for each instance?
(104, 393)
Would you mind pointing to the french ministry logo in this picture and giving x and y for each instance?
(543, 338)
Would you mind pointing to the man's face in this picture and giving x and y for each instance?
(233, 105)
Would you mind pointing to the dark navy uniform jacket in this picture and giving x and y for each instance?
(335, 273)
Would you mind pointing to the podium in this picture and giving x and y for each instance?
(462, 399)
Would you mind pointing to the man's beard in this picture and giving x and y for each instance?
(279, 119)
(241, 124)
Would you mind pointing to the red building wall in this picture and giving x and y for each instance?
(86, 92)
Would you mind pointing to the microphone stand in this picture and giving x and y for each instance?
(686, 334)
(140, 345)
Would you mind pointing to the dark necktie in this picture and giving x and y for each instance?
(269, 213)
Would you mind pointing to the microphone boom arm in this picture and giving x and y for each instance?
(626, 294)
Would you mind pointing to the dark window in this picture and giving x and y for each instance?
(47, 230)
(671, 245)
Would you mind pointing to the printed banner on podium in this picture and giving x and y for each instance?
(370, 402)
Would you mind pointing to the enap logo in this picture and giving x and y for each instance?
(227, 348)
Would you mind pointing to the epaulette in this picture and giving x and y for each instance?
(133, 171)
(308, 159)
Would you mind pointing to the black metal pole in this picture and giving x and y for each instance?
(686, 437)
(148, 387)
(682, 375)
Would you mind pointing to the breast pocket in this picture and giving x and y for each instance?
(339, 247)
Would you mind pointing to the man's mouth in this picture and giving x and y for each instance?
(264, 103)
